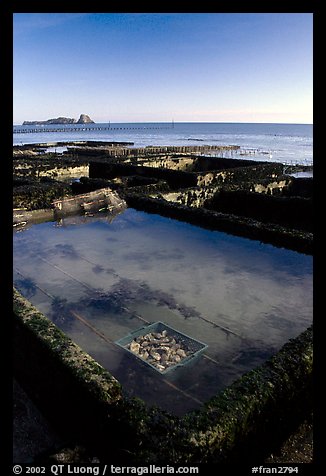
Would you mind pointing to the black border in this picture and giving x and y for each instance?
(6, 35)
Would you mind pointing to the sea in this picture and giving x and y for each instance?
(290, 144)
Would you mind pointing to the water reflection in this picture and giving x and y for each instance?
(99, 280)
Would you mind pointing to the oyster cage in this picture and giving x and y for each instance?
(194, 347)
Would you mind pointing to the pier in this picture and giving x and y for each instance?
(36, 130)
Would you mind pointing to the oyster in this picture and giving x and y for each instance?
(155, 355)
(160, 349)
(134, 347)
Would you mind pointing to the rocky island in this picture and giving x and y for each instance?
(83, 119)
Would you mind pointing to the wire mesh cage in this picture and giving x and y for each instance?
(183, 349)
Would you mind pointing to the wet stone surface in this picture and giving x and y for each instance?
(160, 349)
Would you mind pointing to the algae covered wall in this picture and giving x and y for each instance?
(50, 166)
(200, 196)
(239, 173)
(39, 195)
(75, 392)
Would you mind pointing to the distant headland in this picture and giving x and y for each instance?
(83, 119)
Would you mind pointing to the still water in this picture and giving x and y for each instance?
(99, 278)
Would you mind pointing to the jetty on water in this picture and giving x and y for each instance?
(34, 130)
(148, 150)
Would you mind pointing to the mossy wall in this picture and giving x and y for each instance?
(238, 173)
(47, 165)
(39, 195)
(202, 196)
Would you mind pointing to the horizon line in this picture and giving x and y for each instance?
(186, 122)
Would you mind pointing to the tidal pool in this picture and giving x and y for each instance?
(100, 278)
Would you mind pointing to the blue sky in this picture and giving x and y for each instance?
(143, 67)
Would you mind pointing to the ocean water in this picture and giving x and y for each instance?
(285, 143)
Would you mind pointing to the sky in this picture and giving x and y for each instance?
(158, 67)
